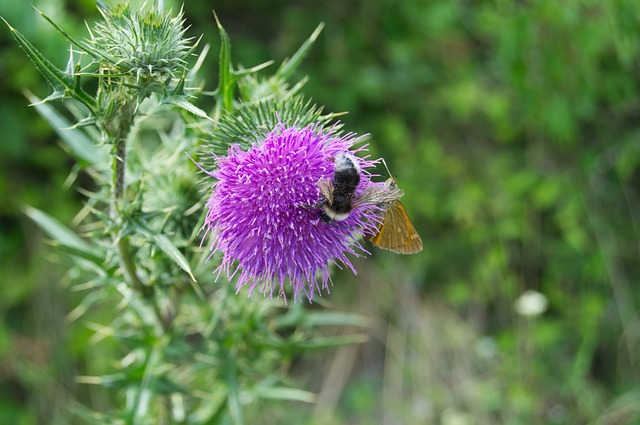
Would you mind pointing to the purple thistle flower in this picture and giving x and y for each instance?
(261, 212)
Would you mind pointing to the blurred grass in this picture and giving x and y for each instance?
(512, 128)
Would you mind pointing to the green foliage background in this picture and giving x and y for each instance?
(513, 129)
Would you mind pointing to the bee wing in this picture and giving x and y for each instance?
(381, 194)
(326, 189)
(396, 233)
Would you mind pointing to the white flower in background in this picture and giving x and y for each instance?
(531, 303)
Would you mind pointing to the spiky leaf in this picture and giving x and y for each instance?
(62, 83)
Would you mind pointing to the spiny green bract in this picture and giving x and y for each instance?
(142, 42)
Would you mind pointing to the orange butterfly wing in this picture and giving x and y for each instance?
(396, 233)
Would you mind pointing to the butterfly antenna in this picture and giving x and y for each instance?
(385, 166)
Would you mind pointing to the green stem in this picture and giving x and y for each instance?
(128, 266)
(118, 172)
(123, 249)
(117, 189)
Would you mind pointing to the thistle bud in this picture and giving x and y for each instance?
(141, 42)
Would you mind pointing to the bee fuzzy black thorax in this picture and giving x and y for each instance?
(337, 201)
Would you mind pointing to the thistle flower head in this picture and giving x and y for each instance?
(141, 42)
(261, 215)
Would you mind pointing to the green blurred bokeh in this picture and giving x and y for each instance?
(512, 127)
